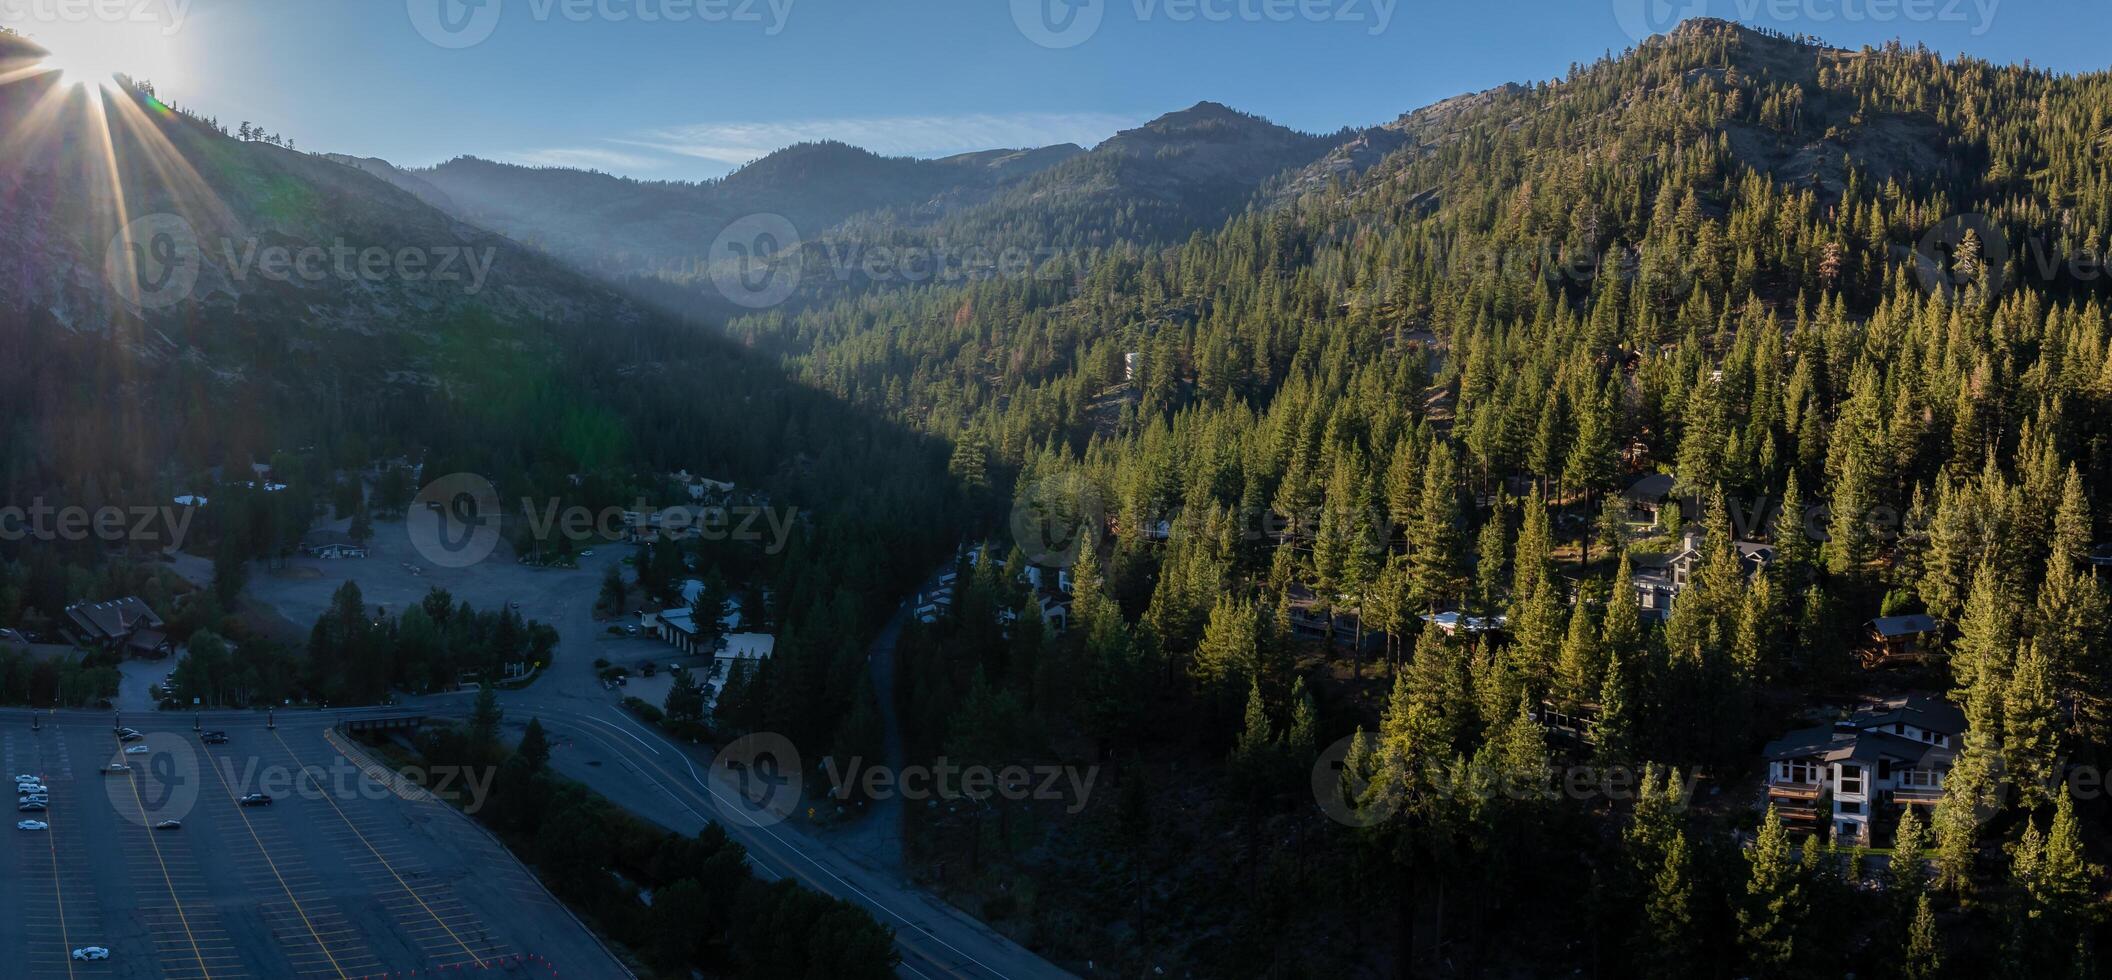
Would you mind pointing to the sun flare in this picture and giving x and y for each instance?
(83, 66)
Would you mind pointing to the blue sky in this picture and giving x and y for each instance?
(687, 89)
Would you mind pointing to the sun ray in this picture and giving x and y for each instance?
(171, 168)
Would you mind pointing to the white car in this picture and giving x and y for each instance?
(32, 825)
(117, 767)
(89, 953)
(137, 750)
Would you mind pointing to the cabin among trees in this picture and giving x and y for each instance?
(1847, 779)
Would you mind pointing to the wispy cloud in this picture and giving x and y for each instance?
(734, 144)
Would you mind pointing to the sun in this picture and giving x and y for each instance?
(83, 66)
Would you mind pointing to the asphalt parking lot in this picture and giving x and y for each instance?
(344, 875)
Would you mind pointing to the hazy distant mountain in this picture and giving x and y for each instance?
(620, 226)
(1182, 172)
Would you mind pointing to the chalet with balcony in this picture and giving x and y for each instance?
(1889, 754)
(1660, 578)
(1900, 639)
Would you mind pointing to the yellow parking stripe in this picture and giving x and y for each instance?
(247, 825)
(58, 894)
(141, 803)
(325, 794)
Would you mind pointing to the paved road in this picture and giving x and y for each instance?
(343, 876)
(642, 771)
(677, 787)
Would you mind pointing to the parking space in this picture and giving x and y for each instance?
(50, 905)
(337, 877)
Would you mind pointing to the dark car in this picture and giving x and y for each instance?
(257, 799)
(214, 738)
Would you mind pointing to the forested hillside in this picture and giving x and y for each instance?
(1849, 300)
(539, 378)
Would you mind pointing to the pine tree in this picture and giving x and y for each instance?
(1769, 920)
(1579, 673)
(1435, 538)
(1669, 944)
(1792, 541)
(1906, 879)
(1624, 620)
(1849, 544)
(1492, 548)
(1617, 724)
(535, 746)
(2031, 745)
(1967, 793)
(1980, 660)
(1231, 642)
(484, 720)
(1922, 959)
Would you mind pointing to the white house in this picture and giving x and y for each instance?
(1891, 753)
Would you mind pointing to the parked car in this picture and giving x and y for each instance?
(214, 738)
(256, 799)
(31, 807)
(137, 750)
(91, 953)
(169, 825)
(32, 825)
(116, 767)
